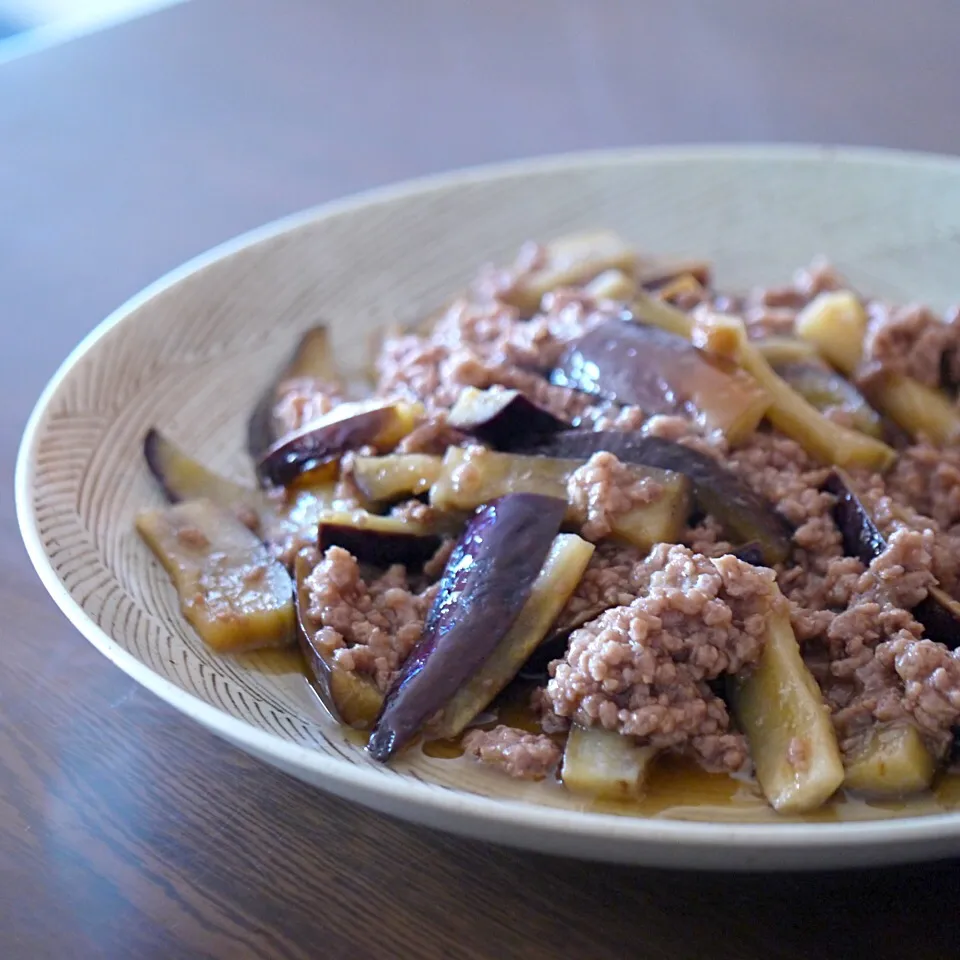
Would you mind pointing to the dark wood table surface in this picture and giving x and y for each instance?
(128, 832)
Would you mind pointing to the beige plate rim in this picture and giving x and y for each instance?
(341, 777)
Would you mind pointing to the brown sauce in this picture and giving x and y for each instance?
(678, 788)
(275, 663)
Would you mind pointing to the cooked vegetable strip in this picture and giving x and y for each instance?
(396, 476)
(825, 389)
(788, 411)
(662, 372)
(559, 576)
(183, 478)
(743, 514)
(472, 477)
(835, 322)
(920, 410)
(782, 350)
(612, 285)
(235, 595)
(717, 334)
(378, 423)
(312, 360)
(892, 762)
(278, 521)
(381, 540)
(821, 438)
(678, 286)
(648, 309)
(781, 710)
(497, 416)
(484, 587)
(605, 765)
(568, 261)
(351, 697)
(656, 271)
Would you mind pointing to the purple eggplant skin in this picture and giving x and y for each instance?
(751, 553)
(861, 538)
(938, 612)
(502, 417)
(377, 547)
(537, 667)
(348, 427)
(313, 359)
(483, 589)
(745, 515)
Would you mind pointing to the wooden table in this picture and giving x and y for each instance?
(127, 832)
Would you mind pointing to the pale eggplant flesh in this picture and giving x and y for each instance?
(485, 585)
(637, 364)
(500, 417)
(745, 516)
(379, 423)
(379, 541)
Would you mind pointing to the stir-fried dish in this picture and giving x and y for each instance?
(684, 522)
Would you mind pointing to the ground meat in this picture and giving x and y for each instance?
(368, 628)
(910, 340)
(414, 511)
(604, 489)
(608, 581)
(642, 669)
(434, 567)
(931, 679)
(820, 276)
(780, 470)
(854, 615)
(542, 707)
(493, 281)
(303, 399)
(613, 417)
(772, 311)
(928, 480)
(763, 321)
(487, 344)
(526, 756)
(892, 513)
(707, 538)
(432, 436)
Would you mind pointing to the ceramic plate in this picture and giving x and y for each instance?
(191, 353)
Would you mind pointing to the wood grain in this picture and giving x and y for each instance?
(124, 830)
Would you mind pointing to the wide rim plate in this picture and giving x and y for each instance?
(593, 835)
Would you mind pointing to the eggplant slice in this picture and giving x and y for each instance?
(312, 359)
(500, 416)
(351, 698)
(485, 585)
(745, 515)
(641, 365)
(495, 474)
(381, 424)
(558, 578)
(233, 593)
(377, 540)
(825, 389)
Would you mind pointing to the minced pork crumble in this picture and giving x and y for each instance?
(650, 633)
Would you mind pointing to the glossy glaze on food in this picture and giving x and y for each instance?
(719, 533)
